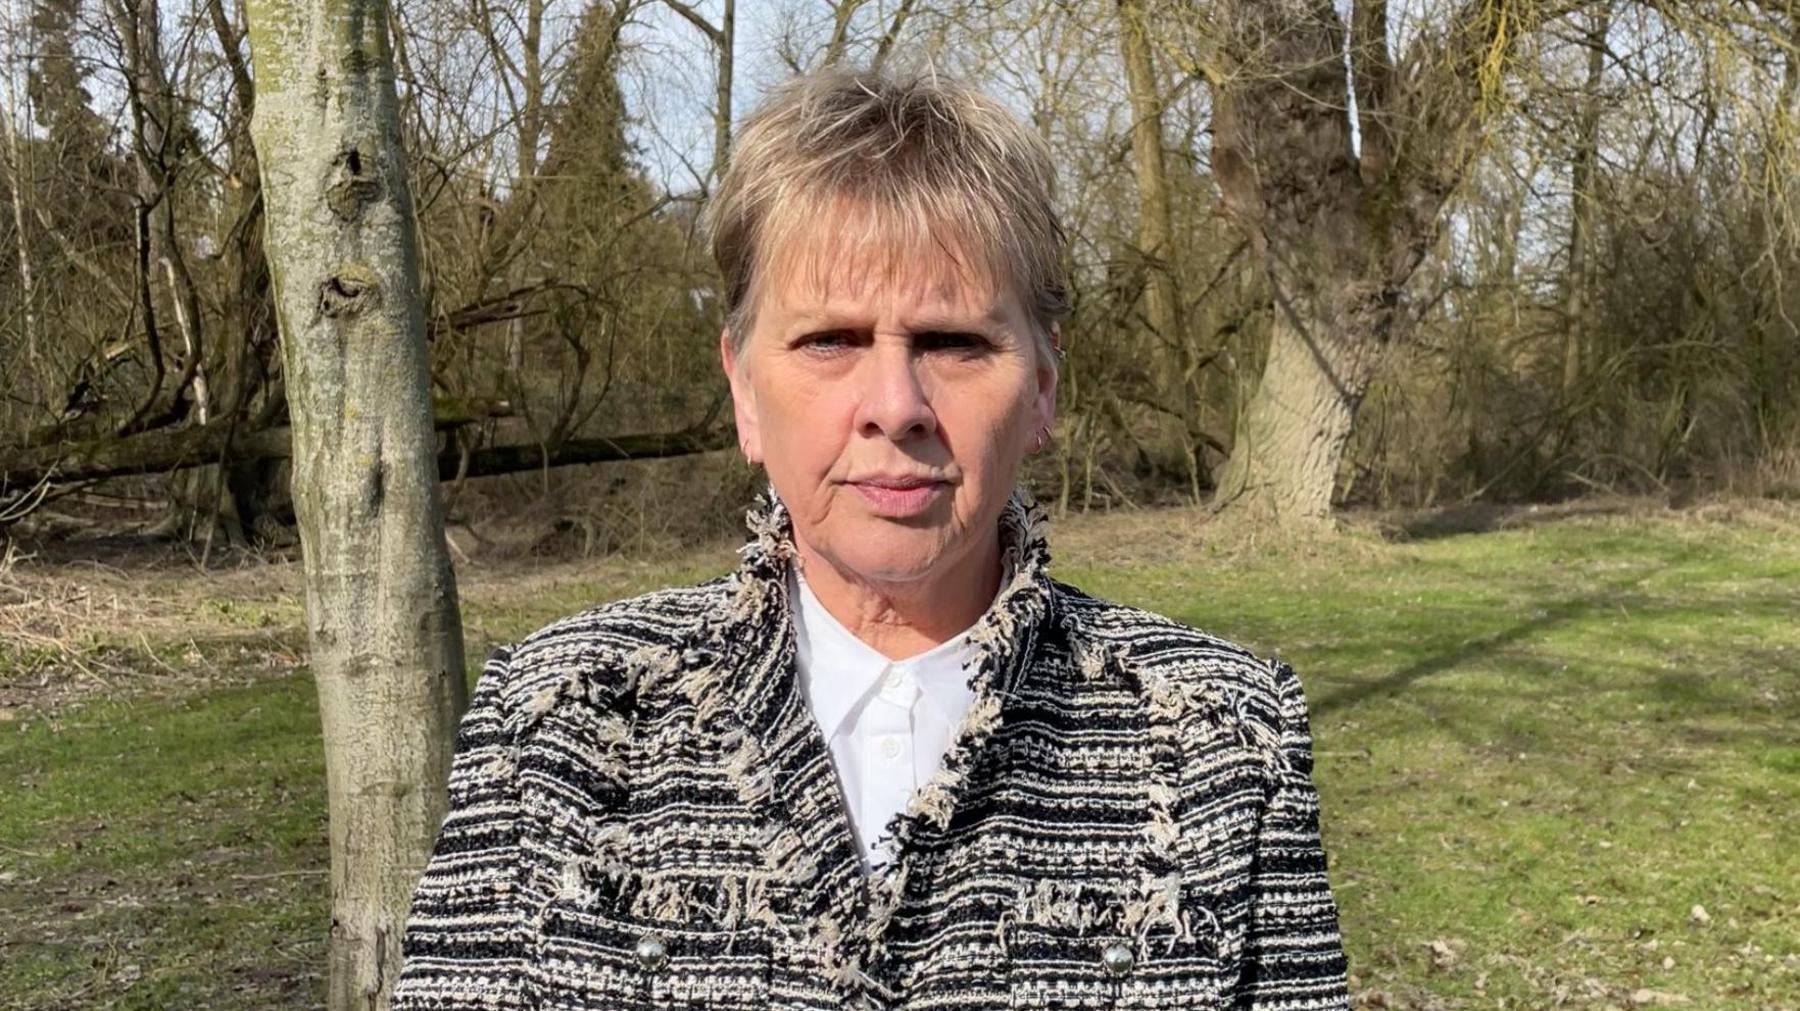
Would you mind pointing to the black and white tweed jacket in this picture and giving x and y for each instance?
(644, 814)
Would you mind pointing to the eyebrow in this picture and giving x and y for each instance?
(929, 323)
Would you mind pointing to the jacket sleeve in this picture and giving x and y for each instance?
(1293, 953)
(463, 946)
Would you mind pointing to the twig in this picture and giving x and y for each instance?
(151, 653)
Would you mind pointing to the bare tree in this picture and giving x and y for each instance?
(1338, 231)
(1582, 197)
(1156, 246)
(384, 632)
(18, 175)
(1178, 390)
(1412, 286)
(723, 39)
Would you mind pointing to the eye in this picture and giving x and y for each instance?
(951, 340)
(825, 340)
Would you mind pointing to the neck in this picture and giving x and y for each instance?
(903, 619)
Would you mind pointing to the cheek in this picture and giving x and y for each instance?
(807, 420)
(987, 429)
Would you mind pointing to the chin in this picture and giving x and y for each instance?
(897, 564)
(889, 556)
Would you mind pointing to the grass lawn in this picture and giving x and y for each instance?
(1559, 755)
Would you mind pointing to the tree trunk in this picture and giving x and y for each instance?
(1296, 427)
(1156, 247)
(1338, 229)
(1581, 206)
(384, 634)
(723, 37)
(19, 176)
(1176, 382)
(251, 498)
(1286, 168)
(726, 44)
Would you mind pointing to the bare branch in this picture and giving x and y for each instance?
(698, 20)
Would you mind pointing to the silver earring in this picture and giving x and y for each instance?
(1043, 439)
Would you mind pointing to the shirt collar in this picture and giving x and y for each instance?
(850, 669)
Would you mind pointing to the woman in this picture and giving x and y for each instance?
(888, 762)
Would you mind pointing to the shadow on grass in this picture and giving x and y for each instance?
(1404, 678)
(1609, 596)
(1483, 517)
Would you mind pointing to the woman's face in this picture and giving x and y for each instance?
(892, 401)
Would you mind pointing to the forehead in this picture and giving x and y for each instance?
(850, 259)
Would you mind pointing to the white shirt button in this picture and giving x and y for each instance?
(897, 686)
(890, 748)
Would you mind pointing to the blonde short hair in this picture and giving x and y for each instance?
(919, 164)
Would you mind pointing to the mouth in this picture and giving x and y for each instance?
(901, 496)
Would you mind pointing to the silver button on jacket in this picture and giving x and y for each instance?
(652, 953)
(1118, 959)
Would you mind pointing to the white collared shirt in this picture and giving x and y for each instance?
(888, 722)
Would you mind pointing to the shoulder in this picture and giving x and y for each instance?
(1203, 676)
(594, 654)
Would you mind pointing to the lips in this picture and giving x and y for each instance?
(901, 496)
(900, 483)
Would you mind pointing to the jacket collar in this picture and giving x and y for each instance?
(1000, 639)
(1002, 635)
(778, 759)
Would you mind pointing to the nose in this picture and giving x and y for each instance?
(894, 402)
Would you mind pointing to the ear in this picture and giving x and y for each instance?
(743, 399)
(1044, 403)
